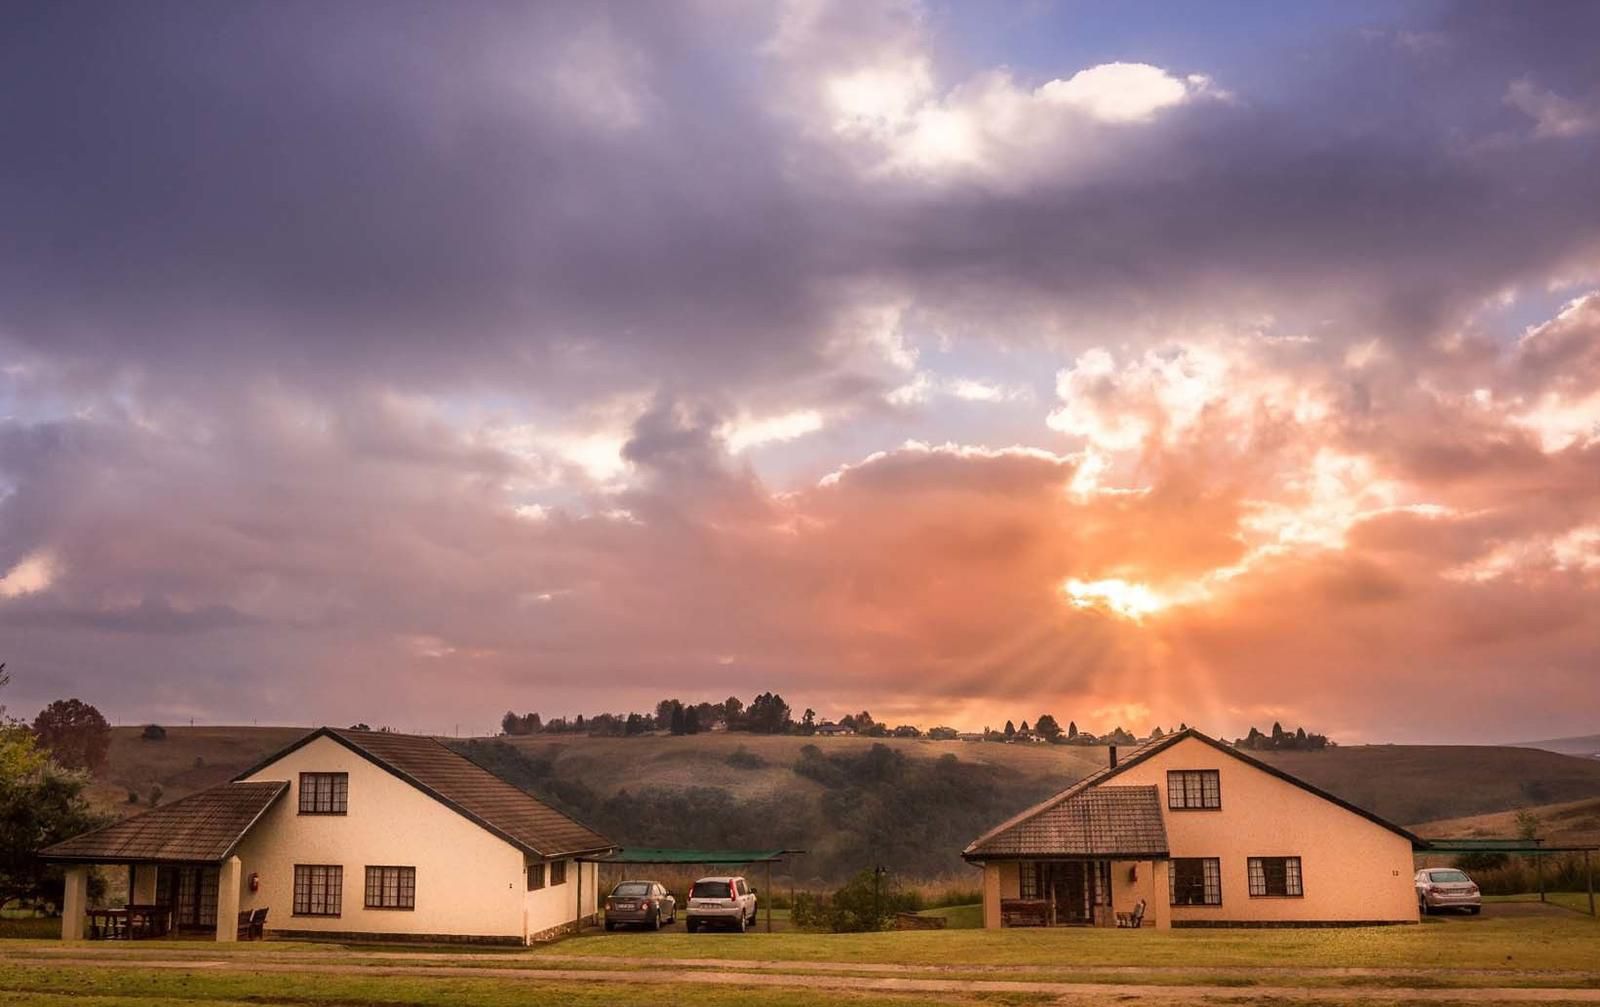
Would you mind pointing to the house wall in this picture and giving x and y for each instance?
(470, 882)
(1354, 870)
(554, 909)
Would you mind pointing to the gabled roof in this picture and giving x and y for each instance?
(1146, 751)
(1121, 823)
(200, 828)
(465, 787)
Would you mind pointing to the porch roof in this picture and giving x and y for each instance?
(1103, 822)
(200, 828)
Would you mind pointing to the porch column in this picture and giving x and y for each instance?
(991, 896)
(228, 899)
(74, 903)
(1158, 910)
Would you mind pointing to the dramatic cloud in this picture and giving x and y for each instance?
(406, 362)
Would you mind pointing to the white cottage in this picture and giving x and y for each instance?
(351, 835)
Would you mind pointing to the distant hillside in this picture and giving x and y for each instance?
(1572, 823)
(910, 803)
(1583, 745)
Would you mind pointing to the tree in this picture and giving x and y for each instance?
(675, 719)
(768, 714)
(1024, 727)
(1072, 729)
(1046, 727)
(733, 712)
(40, 803)
(691, 720)
(510, 723)
(1011, 729)
(74, 733)
(153, 732)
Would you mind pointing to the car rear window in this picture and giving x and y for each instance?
(632, 888)
(711, 890)
(1449, 876)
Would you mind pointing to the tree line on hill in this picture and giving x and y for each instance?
(1280, 740)
(769, 714)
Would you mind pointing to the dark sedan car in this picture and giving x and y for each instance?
(645, 903)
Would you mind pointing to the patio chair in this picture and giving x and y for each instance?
(253, 925)
(1132, 920)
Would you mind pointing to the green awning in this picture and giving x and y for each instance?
(642, 855)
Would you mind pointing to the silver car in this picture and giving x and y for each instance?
(1447, 888)
(721, 902)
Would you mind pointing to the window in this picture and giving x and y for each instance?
(1029, 880)
(1188, 789)
(1196, 881)
(318, 889)
(391, 888)
(324, 793)
(1275, 876)
(558, 872)
(535, 877)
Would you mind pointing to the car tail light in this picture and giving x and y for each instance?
(1473, 890)
(1435, 890)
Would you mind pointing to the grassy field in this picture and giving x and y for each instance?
(1571, 823)
(1371, 965)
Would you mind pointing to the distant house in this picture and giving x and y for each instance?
(1204, 836)
(352, 835)
(970, 736)
(830, 729)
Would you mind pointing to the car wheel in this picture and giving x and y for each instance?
(655, 920)
(741, 923)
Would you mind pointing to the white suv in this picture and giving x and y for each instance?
(721, 902)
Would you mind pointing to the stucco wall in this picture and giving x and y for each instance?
(1353, 869)
(469, 882)
(555, 906)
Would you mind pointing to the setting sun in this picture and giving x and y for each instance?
(1129, 600)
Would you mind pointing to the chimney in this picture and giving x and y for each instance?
(1113, 756)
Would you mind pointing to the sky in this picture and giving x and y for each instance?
(1137, 363)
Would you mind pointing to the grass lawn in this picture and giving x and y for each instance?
(1570, 900)
(101, 987)
(959, 917)
(1561, 942)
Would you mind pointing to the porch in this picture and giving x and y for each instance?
(1079, 892)
(164, 900)
(183, 878)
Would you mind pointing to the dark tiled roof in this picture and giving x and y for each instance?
(200, 828)
(1090, 822)
(456, 781)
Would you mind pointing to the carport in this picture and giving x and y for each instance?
(1534, 848)
(685, 858)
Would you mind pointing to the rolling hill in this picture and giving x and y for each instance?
(855, 801)
(1584, 745)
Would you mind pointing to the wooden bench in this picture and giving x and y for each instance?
(1024, 912)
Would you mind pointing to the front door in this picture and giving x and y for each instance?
(1070, 893)
(191, 891)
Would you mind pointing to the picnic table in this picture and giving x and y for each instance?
(132, 922)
